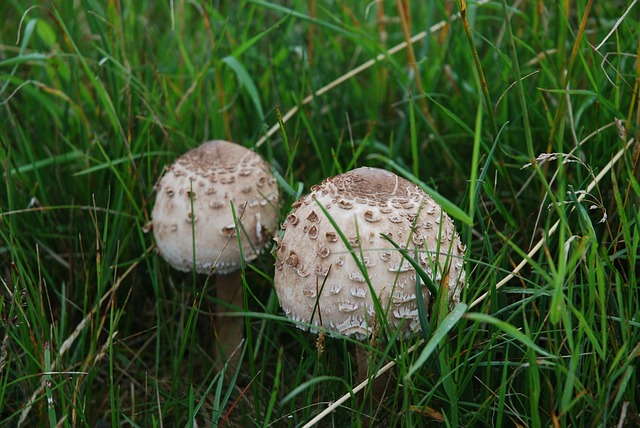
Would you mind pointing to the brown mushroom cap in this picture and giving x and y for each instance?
(316, 273)
(211, 177)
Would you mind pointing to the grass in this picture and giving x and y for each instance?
(97, 97)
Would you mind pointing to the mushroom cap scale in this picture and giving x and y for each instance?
(199, 189)
(316, 273)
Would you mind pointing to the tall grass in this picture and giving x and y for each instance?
(508, 116)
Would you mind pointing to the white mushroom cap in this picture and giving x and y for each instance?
(316, 274)
(211, 177)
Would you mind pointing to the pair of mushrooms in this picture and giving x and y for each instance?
(324, 276)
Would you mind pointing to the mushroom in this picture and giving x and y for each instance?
(320, 284)
(193, 211)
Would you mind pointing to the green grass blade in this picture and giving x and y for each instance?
(439, 334)
(509, 330)
(247, 82)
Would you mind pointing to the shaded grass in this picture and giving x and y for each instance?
(97, 97)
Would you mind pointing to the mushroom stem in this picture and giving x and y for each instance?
(229, 329)
(365, 365)
(362, 363)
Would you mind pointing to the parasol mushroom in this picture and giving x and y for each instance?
(194, 225)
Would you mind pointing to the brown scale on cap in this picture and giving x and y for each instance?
(316, 273)
(199, 188)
